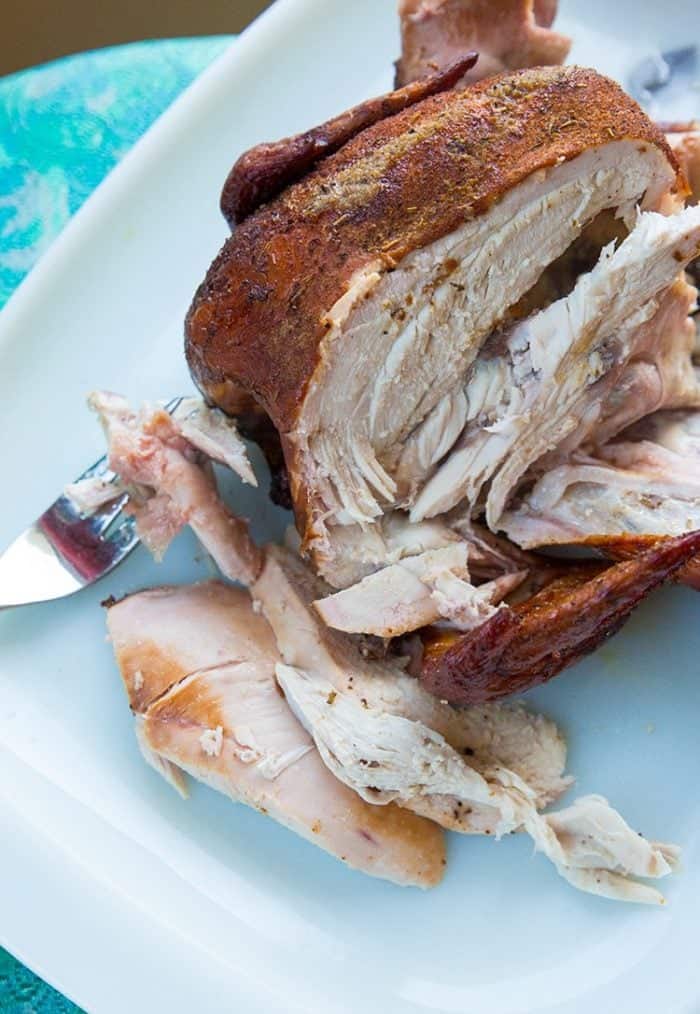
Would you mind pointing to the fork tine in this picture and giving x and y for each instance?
(64, 550)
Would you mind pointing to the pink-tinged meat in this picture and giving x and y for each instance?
(89, 495)
(529, 644)
(158, 521)
(507, 35)
(173, 486)
(265, 171)
(198, 663)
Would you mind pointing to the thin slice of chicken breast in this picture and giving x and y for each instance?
(645, 483)
(198, 664)
(388, 758)
(465, 768)
(417, 591)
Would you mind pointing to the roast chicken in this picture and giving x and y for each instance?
(459, 321)
(198, 665)
(456, 301)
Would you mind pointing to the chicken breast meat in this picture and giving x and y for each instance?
(630, 485)
(198, 665)
(643, 485)
(203, 667)
(355, 305)
(486, 770)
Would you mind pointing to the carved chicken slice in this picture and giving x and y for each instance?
(198, 664)
(415, 592)
(385, 757)
(508, 35)
(556, 366)
(645, 483)
(485, 770)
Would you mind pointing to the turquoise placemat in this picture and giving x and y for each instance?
(63, 126)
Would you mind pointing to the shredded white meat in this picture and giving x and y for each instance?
(387, 758)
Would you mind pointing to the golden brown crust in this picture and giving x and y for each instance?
(519, 648)
(627, 547)
(266, 170)
(257, 321)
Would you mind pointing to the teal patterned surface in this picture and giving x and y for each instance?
(63, 126)
(23, 993)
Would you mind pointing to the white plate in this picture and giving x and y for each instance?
(129, 899)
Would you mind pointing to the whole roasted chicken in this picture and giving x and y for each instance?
(468, 294)
(458, 321)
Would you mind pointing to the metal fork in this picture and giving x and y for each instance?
(65, 551)
(668, 84)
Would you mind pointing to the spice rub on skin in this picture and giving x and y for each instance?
(261, 322)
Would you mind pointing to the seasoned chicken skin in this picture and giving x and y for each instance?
(198, 664)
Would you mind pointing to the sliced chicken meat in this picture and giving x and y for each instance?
(165, 464)
(555, 367)
(508, 35)
(191, 661)
(418, 591)
(386, 757)
(485, 770)
(198, 665)
(215, 435)
(358, 304)
(394, 538)
(645, 483)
